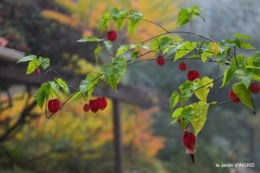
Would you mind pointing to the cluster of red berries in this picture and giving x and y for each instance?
(95, 105)
(111, 36)
(53, 105)
(189, 140)
(254, 88)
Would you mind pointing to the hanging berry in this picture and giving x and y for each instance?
(160, 60)
(53, 105)
(233, 96)
(182, 66)
(193, 74)
(111, 35)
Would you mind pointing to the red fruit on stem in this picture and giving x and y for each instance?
(160, 60)
(104, 101)
(233, 96)
(37, 71)
(86, 107)
(93, 106)
(254, 88)
(111, 35)
(193, 74)
(53, 105)
(182, 66)
(189, 141)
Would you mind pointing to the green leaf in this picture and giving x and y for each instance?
(185, 49)
(63, 85)
(205, 55)
(45, 62)
(32, 66)
(243, 94)
(42, 93)
(256, 77)
(134, 19)
(27, 58)
(187, 114)
(115, 71)
(122, 49)
(183, 17)
(187, 89)
(204, 85)
(55, 89)
(172, 49)
(177, 113)
(96, 51)
(104, 21)
(108, 45)
(245, 76)
(200, 116)
(134, 55)
(174, 99)
(242, 36)
(118, 16)
(229, 74)
(76, 95)
(90, 39)
(88, 85)
(246, 45)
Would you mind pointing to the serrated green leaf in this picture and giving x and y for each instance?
(96, 51)
(115, 71)
(42, 93)
(172, 49)
(183, 17)
(203, 84)
(243, 94)
(104, 21)
(200, 116)
(185, 49)
(88, 85)
(118, 16)
(187, 114)
(177, 113)
(174, 99)
(246, 45)
(134, 55)
(27, 58)
(242, 36)
(45, 62)
(245, 76)
(256, 77)
(90, 39)
(134, 19)
(187, 89)
(108, 45)
(122, 49)
(63, 86)
(55, 89)
(229, 74)
(205, 55)
(32, 66)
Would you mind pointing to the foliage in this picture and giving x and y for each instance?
(82, 16)
(73, 134)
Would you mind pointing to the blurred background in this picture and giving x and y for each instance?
(76, 142)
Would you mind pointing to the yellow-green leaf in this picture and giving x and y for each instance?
(243, 94)
(204, 85)
(200, 116)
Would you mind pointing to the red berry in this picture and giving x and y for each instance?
(111, 35)
(93, 106)
(160, 60)
(104, 101)
(86, 107)
(254, 88)
(193, 74)
(189, 141)
(54, 105)
(182, 66)
(233, 96)
(37, 71)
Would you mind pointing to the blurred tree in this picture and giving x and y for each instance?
(84, 17)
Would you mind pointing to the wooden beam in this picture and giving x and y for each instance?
(13, 73)
(10, 55)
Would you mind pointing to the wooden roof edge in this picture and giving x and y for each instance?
(10, 55)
